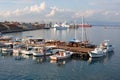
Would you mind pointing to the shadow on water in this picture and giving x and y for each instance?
(41, 59)
(60, 62)
(101, 59)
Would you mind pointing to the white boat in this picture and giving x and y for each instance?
(42, 51)
(17, 48)
(7, 49)
(108, 47)
(61, 54)
(27, 51)
(97, 52)
(100, 51)
(62, 26)
(48, 50)
(38, 51)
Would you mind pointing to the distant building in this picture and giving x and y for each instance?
(27, 26)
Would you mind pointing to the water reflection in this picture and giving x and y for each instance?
(101, 59)
(19, 56)
(26, 56)
(44, 59)
(60, 62)
(39, 59)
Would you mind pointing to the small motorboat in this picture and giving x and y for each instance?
(7, 48)
(107, 46)
(38, 51)
(26, 50)
(61, 54)
(17, 48)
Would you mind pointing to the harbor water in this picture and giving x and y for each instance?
(42, 68)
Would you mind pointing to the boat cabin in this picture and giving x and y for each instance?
(38, 49)
(36, 41)
(8, 45)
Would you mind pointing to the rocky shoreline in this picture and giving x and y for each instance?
(11, 27)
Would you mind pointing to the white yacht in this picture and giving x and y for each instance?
(100, 51)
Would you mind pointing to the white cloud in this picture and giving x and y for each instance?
(111, 13)
(31, 9)
(55, 10)
(52, 13)
(36, 8)
(86, 13)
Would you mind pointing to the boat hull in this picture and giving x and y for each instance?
(26, 52)
(61, 28)
(38, 54)
(58, 57)
(7, 51)
(94, 55)
(16, 51)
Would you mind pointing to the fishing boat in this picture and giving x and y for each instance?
(17, 48)
(26, 50)
(61, 54)
(36, 40)
(101, 50)
(7, 48)
(38, 51)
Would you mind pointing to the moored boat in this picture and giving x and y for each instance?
(108, 46)
(38, 51)
(62, 26)
(61, 54)
(17, 48)
(100, 51)
(27, 51)
(7, 49)
(97, 52)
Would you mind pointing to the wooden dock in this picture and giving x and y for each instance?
(75, 49)
(78, 52)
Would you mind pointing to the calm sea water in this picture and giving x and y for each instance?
(42, 68)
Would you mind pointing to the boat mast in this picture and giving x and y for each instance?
(82, 30)
(75, 29)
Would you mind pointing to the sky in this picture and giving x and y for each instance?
(93, 11)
